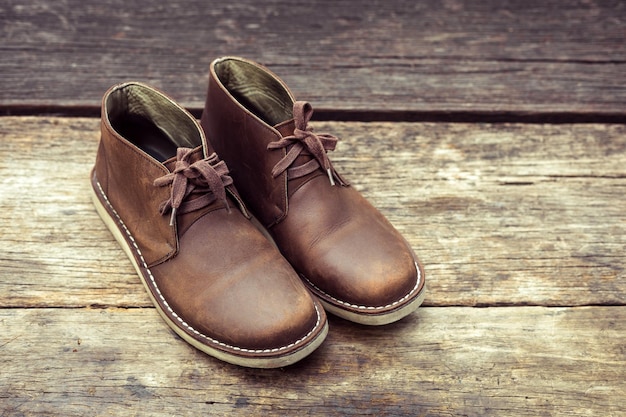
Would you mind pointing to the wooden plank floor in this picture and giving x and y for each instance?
(500, 214)
(526, 221)
(442, 59)
(454, 361)
(518, 213)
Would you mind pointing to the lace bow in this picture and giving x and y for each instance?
(206, 177)
(304, 141)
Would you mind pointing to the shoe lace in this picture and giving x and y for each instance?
(304, 141)
(206, 177)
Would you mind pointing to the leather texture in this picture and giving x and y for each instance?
(344, 249)
(213, 276)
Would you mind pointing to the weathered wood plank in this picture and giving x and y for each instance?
(522, 361)
(521, 214)
(430, 56)
(54, 251)
(500, 214)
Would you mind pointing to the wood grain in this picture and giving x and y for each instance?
(521, 227)
(523, 361)
(500, 214)
(432, 57)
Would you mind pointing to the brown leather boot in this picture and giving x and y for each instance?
(346, 252)
(212, 275)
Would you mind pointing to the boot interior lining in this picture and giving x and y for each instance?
(256, 89)
(151, 121)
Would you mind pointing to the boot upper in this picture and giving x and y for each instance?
(210, 270)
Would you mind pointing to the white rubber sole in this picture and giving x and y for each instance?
(375, 319)
(266, 359)
(373, 316)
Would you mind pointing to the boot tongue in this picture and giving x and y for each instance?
(170, 163)
(185, 220)
(287, 128)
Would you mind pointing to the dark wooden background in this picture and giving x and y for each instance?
(397, 59)
(491, 133)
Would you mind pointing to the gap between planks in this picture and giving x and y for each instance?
(345, 115)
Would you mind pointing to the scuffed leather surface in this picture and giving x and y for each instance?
(344, 248)
(212, 273)
(127, 174)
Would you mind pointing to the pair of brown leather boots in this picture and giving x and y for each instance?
(185, 201)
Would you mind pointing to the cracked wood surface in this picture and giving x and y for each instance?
(550, 57)
(499, 214)
(453, 361)
(525, 221)
(502, 215)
